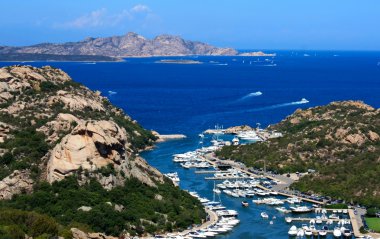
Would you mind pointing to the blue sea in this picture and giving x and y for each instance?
(229, 91)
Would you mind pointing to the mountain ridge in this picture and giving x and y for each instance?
(128, 45)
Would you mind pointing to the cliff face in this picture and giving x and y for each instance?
(69, 158)
(340, 141)
(84, 137)
(130, 44)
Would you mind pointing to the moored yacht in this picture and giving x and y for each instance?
(292, 231)
(300, 209)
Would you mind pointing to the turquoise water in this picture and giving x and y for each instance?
(175, 98)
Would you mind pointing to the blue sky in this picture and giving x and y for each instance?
(243, 24)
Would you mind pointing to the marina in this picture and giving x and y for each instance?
(308, 216)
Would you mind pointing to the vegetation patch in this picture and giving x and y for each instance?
(373, 223)
(339, 141)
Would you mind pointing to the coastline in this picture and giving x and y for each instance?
(123, 58)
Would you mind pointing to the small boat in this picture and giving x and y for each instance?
(322, 233)
(288, 219)
(347, 233)
(308, 232)
(197, 235)
(300, 232)
(216, 190)
(337, 233)
(244, 203)
(282, 209)
(292, 231)
(300, 209)
(264, 215)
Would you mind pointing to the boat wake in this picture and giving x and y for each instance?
(110, 92)
(204, 118)
(250, 95)
(253, 94)
(300, 102)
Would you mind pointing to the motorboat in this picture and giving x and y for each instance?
(244, 203)
(282, 209)
(197, 235)
(337, 233)
(208, 233)
(227, 213)
(318, 220)
(300, 232)
(288, 219)
(300, 209)
(334, 216)
(217, 191)
(264, 215)
(249, 136)
(308, 232)
(292, 231)
(347, 233)
(293, 200)
(322, 233)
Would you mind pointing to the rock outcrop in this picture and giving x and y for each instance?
(237, 129)
(78, 234)
(16, 183)
(92, 145)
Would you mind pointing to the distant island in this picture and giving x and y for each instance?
(179, 61)
(115, 48)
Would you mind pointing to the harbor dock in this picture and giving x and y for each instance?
(214, 162)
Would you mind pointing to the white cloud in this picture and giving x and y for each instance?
(102, 18)
(140, 8)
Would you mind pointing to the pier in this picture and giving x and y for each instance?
(355, 223)
(250, 174)
(308, 219)
(209, 171)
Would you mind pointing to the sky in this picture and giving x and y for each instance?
(242, 24)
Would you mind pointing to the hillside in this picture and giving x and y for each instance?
(340, 141)
(69, 159)
(127, 45)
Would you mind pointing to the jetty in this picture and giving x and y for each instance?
(214, 161)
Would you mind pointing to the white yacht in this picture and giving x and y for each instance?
(300, 209)
(300, 232)
(337, 233)
(347, 233)
(292, 231)
(322, 232)
(308, 232)
(282, 209)
(264, 215)
(288, 219)
(249, 136)
(304, 101)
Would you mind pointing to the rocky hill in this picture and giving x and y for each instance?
(67, 156)
(130, 44)
(340, 141)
